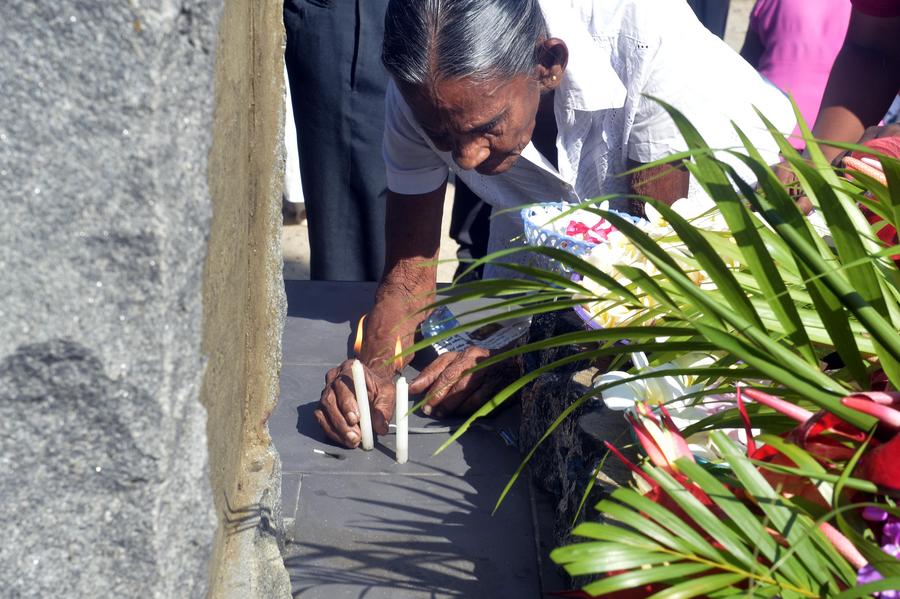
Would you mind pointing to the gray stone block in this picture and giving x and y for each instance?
(412, 537)
(105, 127)
(563, 464)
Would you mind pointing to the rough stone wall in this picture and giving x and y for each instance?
(244, 302)
(140, 166)
(105, 127)
(562, 466)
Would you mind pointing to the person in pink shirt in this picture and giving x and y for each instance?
(793, 43)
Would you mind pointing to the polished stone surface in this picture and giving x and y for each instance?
(360, 525)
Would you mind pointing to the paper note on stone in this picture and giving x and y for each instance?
(492, 336)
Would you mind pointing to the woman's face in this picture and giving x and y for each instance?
(484, 124)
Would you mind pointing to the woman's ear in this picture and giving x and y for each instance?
(553, 56)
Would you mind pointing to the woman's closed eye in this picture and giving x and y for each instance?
(492, 128)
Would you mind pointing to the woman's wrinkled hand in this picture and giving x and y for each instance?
(338, 412)
(451, 390)
(788, 178)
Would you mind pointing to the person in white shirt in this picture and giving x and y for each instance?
(529, 101)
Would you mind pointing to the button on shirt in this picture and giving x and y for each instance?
(619, 53)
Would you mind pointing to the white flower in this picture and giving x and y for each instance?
(669, 390)
(664, 389)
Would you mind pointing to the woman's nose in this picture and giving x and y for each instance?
(470, 153)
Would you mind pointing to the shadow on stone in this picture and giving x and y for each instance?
(88, 454)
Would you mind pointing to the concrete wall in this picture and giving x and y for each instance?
(244, 305)
(139, 175)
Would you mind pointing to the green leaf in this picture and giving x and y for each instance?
(789, 522)
(776, 371)
(711, 262)
(751, 527)
(781, 213)
(504, 394)
(686, 539)
(866, 590)
(857, 484)
(514, 387)
(760, 417)
(651, 287)
(850, 244)
(736, 546)
(640, 577)
(590, 558)
(776, 357)
(891, 167)
(814, 255)
(699, 587)
(616, 534)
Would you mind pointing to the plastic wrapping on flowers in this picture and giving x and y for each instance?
(619, 250)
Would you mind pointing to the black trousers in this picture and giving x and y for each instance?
(333, 59)
(470, 227)
(712, 13)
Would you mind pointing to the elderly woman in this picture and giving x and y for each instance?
(527, 101)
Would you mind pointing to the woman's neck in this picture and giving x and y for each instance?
(545, 131)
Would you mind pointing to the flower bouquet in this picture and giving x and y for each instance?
(577, 230)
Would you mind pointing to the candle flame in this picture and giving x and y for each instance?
(357, 346)
(398, 349)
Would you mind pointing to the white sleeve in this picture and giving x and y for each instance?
(667, 73)
(413, 166)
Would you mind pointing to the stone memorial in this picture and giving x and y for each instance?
(140, 302)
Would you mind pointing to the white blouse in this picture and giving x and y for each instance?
(619, 53)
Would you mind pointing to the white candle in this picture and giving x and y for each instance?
(362, 400)
(401, 409)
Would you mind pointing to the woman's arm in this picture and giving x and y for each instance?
(666, 182)
(412, 232)
(863, 81)
(412, 240)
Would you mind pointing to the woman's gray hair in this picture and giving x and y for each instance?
(432, 40)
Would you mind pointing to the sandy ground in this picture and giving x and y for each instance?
(295, 240)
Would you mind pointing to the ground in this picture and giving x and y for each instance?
(295, 241)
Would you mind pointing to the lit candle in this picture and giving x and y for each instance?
(362, 393)
(400, 409)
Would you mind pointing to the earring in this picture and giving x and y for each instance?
(553, 78)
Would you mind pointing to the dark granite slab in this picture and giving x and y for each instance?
(412, 536)
(364, 526)
(290, 498)
(321, 320)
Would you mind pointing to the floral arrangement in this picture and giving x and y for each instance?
(619, 253)
(582, 225)
(760, 378)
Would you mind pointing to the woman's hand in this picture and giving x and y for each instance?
(451, 391)
(412, 238)
(338, 412)
(789, 179)
(892, 130)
